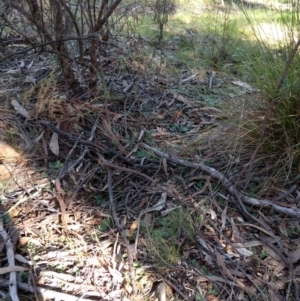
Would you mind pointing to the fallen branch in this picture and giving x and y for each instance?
(294, 212)
(103, 162)
(62, 205)
(12, 284)
(46, 293)
(122, 231)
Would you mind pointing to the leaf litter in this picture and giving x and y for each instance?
(120, 200)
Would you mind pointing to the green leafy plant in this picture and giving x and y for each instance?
(199, 184)
(175, 128)
(100, 201)
(144, 154)
(105, 225)
(24, 276)
(164, 238)
(263, 254)
(57, 165)
(204, 270)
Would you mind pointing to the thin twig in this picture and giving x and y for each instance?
(211, 77)
(104, 163)
(62, 204)
(62, 173)
(175, 287)
(78, 161)
(121, 231)
(285, 194)
(54, 129)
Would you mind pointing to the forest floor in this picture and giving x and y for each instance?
(139, 191)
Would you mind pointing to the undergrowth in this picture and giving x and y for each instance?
(258, 133)
(168, 237)
(257, 44)
(273, 66)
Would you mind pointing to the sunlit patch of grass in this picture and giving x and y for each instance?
(269, 125)
(147, 28)
(271, 33)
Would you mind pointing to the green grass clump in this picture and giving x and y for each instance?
(167, 236)
(273, 65)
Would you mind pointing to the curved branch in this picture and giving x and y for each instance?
(294, 212)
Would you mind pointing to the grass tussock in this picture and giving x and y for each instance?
(275, 71)
(169, 237)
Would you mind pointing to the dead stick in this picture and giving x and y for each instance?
(294, 212)
(62, 204)
(104, 163)
(11, 261)
(77, 162)
(46, 293)
(122, 232)
(62, 174)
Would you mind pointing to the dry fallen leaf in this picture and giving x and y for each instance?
(117, 276)
(184, 100)
(54, 145)
(160, 116)
(274, 296)
(161, 132)
(295, 256)
(127, 287)
(134, 226)
(30, 79)
(283, 228)
(19, 109)
(221, 264)
(223, 219)
(160, 204)
(22, 259)
(244, 252)
(272, 253)
(23, 241)
(148, 218)
(22, 64)
(188, 78)
(243, 85)
(29, 65)
(159, 291)
(209, 109)
(165, 166)
(213, 214)
(170, 207)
